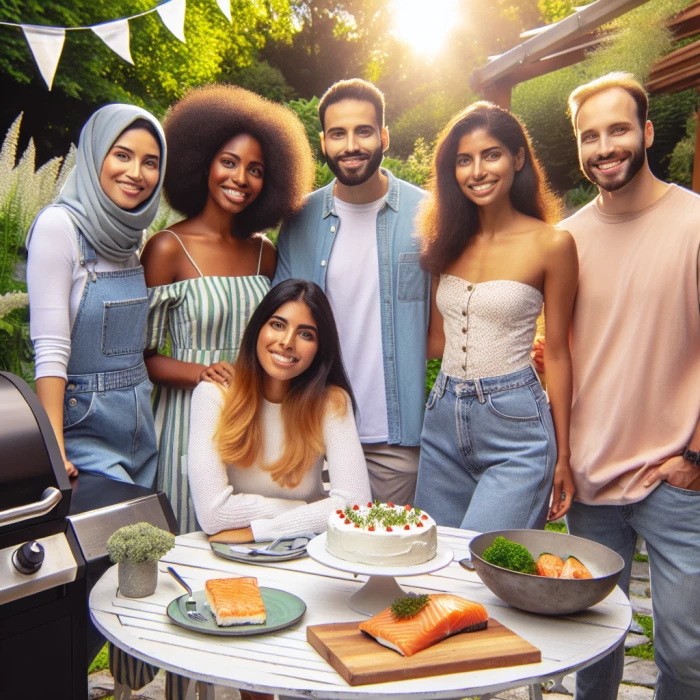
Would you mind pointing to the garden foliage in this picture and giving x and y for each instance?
(24, 191)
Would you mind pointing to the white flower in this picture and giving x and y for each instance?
(11, 301)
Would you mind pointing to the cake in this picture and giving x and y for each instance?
(235, 601)
(382, 534)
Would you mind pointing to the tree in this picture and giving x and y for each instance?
(90, 74)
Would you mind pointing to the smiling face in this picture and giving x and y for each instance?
(353, 141)
(611, 141)
(237, 174)
(286, 347)
(130, 170)
(485, 168)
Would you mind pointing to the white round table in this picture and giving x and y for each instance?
(285, 663)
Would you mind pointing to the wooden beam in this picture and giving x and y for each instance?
(499, 93)
(686, 23)
(553, 39)
(682, 79)
(686, 57)
(696, 160)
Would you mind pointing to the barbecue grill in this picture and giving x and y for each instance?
(53, 534)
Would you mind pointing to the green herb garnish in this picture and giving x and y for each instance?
(409, 606)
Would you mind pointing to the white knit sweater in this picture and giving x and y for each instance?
(227, 497)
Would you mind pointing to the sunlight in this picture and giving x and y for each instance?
(424, 24)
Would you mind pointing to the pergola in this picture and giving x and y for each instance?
(567, 42)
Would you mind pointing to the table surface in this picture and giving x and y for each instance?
(284, 662)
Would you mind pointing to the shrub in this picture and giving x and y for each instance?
(139, 543)
(680, 167)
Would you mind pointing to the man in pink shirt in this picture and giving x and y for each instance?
(635, 346)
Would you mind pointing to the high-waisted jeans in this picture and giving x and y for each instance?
(488, 453)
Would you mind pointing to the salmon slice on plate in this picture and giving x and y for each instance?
(443, 614)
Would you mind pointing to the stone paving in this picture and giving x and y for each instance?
(638, 680)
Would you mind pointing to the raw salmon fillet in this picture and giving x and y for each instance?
(235, 601)
(445, 614)
(573, 568)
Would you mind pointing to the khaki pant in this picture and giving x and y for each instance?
(393, 471)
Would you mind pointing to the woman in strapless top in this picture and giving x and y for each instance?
(493, 453)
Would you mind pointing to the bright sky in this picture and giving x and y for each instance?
(424, 24)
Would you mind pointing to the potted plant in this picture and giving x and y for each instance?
(137, 549)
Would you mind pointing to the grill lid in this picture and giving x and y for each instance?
(34, 486)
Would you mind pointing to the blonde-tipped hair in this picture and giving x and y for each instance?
(619, 79)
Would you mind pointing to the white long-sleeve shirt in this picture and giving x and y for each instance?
(227, 497)
(55, 281)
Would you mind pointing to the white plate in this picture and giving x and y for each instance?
(317, 550)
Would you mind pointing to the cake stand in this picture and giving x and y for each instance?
(381, 589)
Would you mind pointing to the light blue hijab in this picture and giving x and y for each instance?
(115, 233)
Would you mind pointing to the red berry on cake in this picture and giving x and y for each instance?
(406, 527)
(389, 529)
(356, 525)
(407, 507)
(370, 528)
(356, 507)
(347, 522)
(389, 505)
(424, 517)
(369, 504)
(419, 524)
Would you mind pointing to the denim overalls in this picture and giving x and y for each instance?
(107, 417)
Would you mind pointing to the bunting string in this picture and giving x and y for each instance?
(46, 43)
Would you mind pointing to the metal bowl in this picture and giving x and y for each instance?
(540, 594)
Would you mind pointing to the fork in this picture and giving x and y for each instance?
(190, 603)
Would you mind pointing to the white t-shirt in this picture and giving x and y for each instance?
(226, 497)
(352, 287)
(55, 281)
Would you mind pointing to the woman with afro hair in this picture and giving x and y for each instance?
(239, 165)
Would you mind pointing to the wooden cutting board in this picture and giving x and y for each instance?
(360, 660)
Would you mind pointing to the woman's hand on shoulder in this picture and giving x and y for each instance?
(160, 258)
(218, 373)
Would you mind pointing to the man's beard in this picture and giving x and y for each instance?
(631, 167)
(362, 174)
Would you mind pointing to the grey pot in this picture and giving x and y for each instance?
(138, 580)
(549, 596)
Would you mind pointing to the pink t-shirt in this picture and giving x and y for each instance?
(635, 344)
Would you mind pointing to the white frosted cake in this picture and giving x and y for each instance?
(382, 534)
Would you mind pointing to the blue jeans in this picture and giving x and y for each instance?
(669, 520)
(487, 453)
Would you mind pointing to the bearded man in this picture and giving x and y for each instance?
(354, 238)
(635, 440)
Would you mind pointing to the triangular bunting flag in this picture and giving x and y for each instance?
(46, 44)
(225, 7)
(116, 36)
(173, 15)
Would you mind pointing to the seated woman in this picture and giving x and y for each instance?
(256, 447)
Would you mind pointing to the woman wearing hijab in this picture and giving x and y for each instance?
(88, 299)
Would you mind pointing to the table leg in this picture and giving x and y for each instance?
(121, 691)
(205, 691)
(535, 691)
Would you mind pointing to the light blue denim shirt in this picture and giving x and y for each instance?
(304, 247)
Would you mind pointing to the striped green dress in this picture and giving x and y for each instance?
(205, 318)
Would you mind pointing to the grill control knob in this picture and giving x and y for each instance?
(29, 557)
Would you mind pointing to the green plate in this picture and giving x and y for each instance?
(224, 550)
(283, 610)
